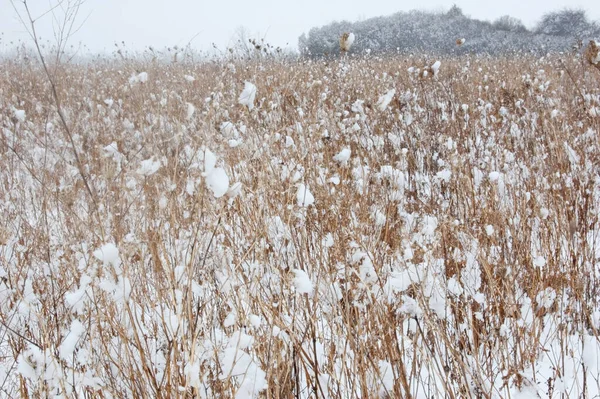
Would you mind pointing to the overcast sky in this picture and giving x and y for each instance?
(162, 23)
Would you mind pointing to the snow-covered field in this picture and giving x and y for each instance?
(309, 229)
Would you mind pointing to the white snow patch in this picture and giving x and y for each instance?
(190, 111)
(302, 282)
(343, 156)
(385, 100)
(539, 261)
(436, 67)
(108, 254)
(247, 96)
(218, 182)
(148, 167)
(69, 343)
(304, 196)
(19, 115)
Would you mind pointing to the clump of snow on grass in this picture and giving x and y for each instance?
(349, 41)
(444, 175)
(436, 67)
(108, 254)
(379, 218)
(238, 365)
(218, 182)
(210, 161)
(148, 167)
(19, 115)
(67, 346)
(302, 282)
(234, 143)
(385, 100)
(494, 176)
(572, 154)
(75, 299)
(190, 111)
(234, 190)
(410, 307)
(289, 142)
(546, 297)
(539, 261)
(303, 196)
(216, 178)
(328, 240)
(141, 77)
(247, 96)
(343, 156)
(596, 60)
(454, 287)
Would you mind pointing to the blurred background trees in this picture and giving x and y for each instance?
(436, 32)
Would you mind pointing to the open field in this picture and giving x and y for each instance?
(329, 238)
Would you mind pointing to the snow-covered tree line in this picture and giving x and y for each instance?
(416, 31)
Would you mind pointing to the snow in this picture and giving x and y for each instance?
(410, 307)
(304, 197)
(255, 320)
(494, 176)
(539, 261)
(436, 67)
(385, 100)
(108, 254)
(148, 167)
(289, 142)
(239, 364)
(210, 161)
(357, 107)
(141, 77)
(343, 156)
(218, 182)
(546, 298)
(328, 241)
(596, 60)
(190, 111)
(234, 190)
(350, 40)
(302, 282)
(444, 175)
(454, 287)
(67, 346)
(247, 96)
(19, 115)
(228, 129)
(234, 143)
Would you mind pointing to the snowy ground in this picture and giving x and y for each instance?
(349, 228)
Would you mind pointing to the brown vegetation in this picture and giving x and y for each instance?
(480, 187)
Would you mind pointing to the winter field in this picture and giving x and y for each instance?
(342, 228)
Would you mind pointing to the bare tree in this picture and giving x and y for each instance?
(64, 15)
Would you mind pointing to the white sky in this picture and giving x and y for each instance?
(162, 23)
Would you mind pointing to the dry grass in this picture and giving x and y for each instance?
(456, 257)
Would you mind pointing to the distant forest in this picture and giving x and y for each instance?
(419, 31)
